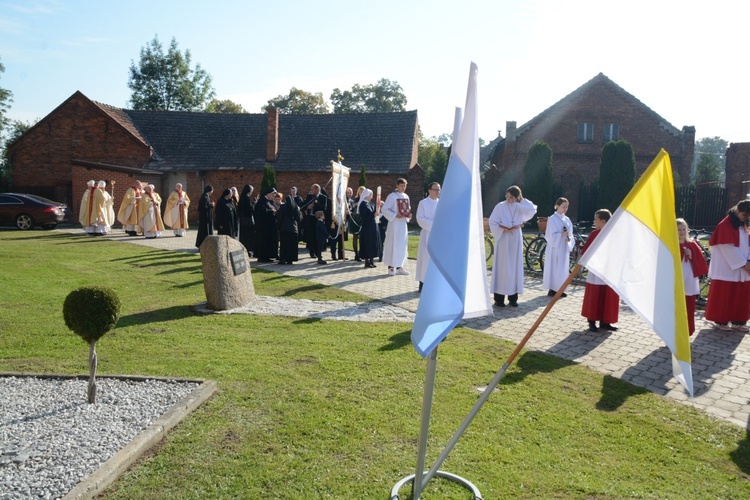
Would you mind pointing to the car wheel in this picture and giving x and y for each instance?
(49, 226)
(24, 221)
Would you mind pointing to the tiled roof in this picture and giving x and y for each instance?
(202, 141)
(210, 141)
(120, 117)
(382, 142)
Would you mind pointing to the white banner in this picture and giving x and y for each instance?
(340, 175)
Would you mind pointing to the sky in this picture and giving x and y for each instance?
(686, 60)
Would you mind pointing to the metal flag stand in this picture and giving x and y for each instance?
(418, 486)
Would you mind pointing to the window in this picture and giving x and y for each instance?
(611, 132)
(585, 132)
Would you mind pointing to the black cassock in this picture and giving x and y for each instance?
(205, 219)
(226, 218)
(369, 236)
(266, 233)
(246, 210)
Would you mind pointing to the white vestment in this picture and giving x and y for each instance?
(425, 216)
(397, 233)
(507, 270)
(557, 251)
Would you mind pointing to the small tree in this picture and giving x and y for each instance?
(537, 177)
(91, 311)
(616, 173)
(362, 176)
(269, 179)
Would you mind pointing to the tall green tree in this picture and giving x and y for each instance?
(298, 102)
(166, 82)
(433, 158)
(385, 96)
(224, 106)
(537, 177)
(362, 176)
(616, 173)
(15, 129)
(269, 179)
(6, 97)
(710, 154)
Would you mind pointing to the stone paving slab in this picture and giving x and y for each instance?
(721, 360)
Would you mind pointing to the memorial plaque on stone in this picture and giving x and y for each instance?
(227, 277)
(239, 264)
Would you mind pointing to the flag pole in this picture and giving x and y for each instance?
(429, 387)
(496, 379)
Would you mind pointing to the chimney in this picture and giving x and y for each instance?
(272, 147)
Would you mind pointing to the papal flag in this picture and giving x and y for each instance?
(455, 284)
(638, 255)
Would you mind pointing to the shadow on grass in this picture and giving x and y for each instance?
(741, 456)
(534, 362)
(397, 341)
(302, 289)
(166, 314)
(615, 392)
(189, 284)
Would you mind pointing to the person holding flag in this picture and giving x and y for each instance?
(729, 270)
(600, 302)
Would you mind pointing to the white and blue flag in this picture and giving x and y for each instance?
(455, 286)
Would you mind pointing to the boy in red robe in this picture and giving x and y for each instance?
(600, 302)
(729, 295)
(693, 267)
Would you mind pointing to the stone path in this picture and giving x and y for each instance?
(721, 361)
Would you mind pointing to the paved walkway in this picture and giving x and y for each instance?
(721, 361)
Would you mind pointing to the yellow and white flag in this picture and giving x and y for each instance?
(638, 255)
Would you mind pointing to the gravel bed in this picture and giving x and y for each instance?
(51, 438)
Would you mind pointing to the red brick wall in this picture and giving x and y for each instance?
(737, 172)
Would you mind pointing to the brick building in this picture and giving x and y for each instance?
(82, 139)
(576, 128)
(737, 178)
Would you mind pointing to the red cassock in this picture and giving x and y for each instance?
(727, 300)
(600, 302)
(699, 266)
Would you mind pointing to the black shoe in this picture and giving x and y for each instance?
(592, 326)
(563, 295)
(513, 300)
(513, 304)
(607, 326)
(357, 259)
(420, 286)
(551, 293)
(499, 304)
(321, 261)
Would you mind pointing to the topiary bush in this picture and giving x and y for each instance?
(90, 312)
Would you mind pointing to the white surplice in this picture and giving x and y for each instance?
(397, 233)
(425, 216)
(557, 252)
(507, 270)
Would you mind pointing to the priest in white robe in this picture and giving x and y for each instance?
(425, 215)
(506, 222)
(149, 208)
(91, 213)
(128, 214)
(176, 212)
(397, 211)
(108, 215)
(560, 242)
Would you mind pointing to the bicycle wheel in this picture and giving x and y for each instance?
(575, 256)
(535, 254)
(489, 250)
(704, 282)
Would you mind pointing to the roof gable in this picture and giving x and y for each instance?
(582, 92)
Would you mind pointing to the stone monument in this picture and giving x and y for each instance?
(226, 273)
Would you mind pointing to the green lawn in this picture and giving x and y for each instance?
(326, 409)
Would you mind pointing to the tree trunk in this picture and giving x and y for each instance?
(92, 372)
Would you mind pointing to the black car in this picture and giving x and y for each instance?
(25, 211)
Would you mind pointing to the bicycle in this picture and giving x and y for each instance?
(704, 282)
